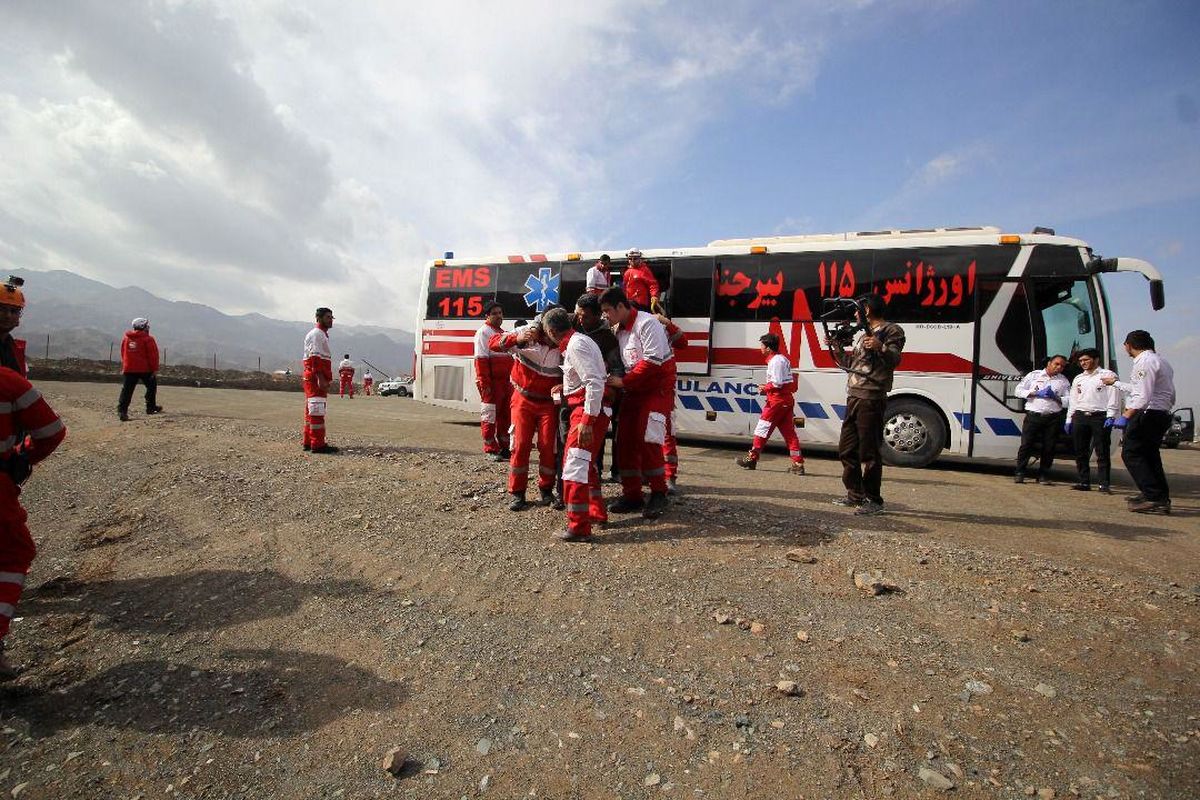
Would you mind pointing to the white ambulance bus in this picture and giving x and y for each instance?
(980, 308)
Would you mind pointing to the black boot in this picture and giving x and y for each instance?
(656, 505)
(518, 502)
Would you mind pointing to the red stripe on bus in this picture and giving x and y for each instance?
(696, 337)
(691, 354)
(516, 259)
(537, 257)
(448, 348)
(909, 362)
(431, 332)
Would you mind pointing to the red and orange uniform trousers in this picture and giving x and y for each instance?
(777, 415)
(670, 450)
(25, 410)
(492, 379)
(346, 385)
(532, 413)
(316, 400)
(642, 434)
(581, 479)
(368, 383)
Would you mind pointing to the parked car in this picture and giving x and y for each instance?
(1183, 428)
(402, 387)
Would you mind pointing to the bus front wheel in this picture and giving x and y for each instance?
(913, 434)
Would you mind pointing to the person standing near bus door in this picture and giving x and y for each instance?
(649, 389)
(1045, 392)
(318, 376)
(590, 321)
(638, 282)
(492, 371)
(778, 413)
(599, 276)
(537, 369)
(1092, 410)
(346, 375)
(368, 382)
(1145, 421)
(871, 368)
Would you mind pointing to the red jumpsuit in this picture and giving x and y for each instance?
(346, 376)
(26, 411)
(649, 399)
(536, 371)
(640, 284)
(778, 412)
(492, 371)
(584, 374)
(318, 374)
(368, 383)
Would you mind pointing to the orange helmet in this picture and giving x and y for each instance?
(11, 294)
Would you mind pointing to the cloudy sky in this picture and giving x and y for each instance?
(269, 156)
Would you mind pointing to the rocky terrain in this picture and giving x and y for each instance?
(216, 614)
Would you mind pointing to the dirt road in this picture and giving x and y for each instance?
(216, 614)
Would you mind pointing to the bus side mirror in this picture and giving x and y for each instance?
(1158, 295)
(1085, 323)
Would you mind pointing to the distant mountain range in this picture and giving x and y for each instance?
(84, 318)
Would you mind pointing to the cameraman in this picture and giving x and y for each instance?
(871, 365)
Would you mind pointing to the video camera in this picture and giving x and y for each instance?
(842, 318)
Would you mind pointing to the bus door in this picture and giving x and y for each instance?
(689, 304)
(1021, 322)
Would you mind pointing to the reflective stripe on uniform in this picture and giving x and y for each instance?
(26, 400)
(316, 426)
(538, 368)
(7, 610)
(13, 577)
(577, 508)
(543, 398)
(46, 431)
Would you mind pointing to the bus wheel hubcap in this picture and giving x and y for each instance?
(905, 433)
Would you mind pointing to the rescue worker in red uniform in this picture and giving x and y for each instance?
(639, 283)
(677, 340)
(649, 385)
(492, 371)
(583, 387)
(318, 375)
(778, 413)
(346, 377)
(536, 371)
(368, 382)
(29, 431)
(139, 363)
(12, 305)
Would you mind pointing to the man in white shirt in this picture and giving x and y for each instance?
(599, 276)
(584, 375)
(649, 385)
(1045, 394)
(1092, 410)
(1150, 396)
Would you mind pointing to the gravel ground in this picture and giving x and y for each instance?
(216, 614)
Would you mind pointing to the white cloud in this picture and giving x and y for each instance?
(274, 155)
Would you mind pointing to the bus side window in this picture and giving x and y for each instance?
(1014, 334)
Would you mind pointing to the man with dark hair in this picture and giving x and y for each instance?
(1092, 410)
(599, 276)
(1150, 396)
(1045, 393)
(492, 371)
(778, 411)
(589, 320)
(638, 282)
(346, 372)
(318, 375)
(649, 385)
(871, 367)
(583, 386)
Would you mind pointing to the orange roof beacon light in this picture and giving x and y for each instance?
(1010, 238)
(573, 256)
(758, 250)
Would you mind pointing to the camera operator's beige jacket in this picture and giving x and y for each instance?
(871, 372)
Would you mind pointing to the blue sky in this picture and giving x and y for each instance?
(273, 156)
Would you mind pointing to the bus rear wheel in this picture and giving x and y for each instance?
(913, 434)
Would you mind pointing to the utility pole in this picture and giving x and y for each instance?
(47, 347)
(214, 362)
(110, 351)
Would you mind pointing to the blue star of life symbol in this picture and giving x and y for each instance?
(543, 289)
